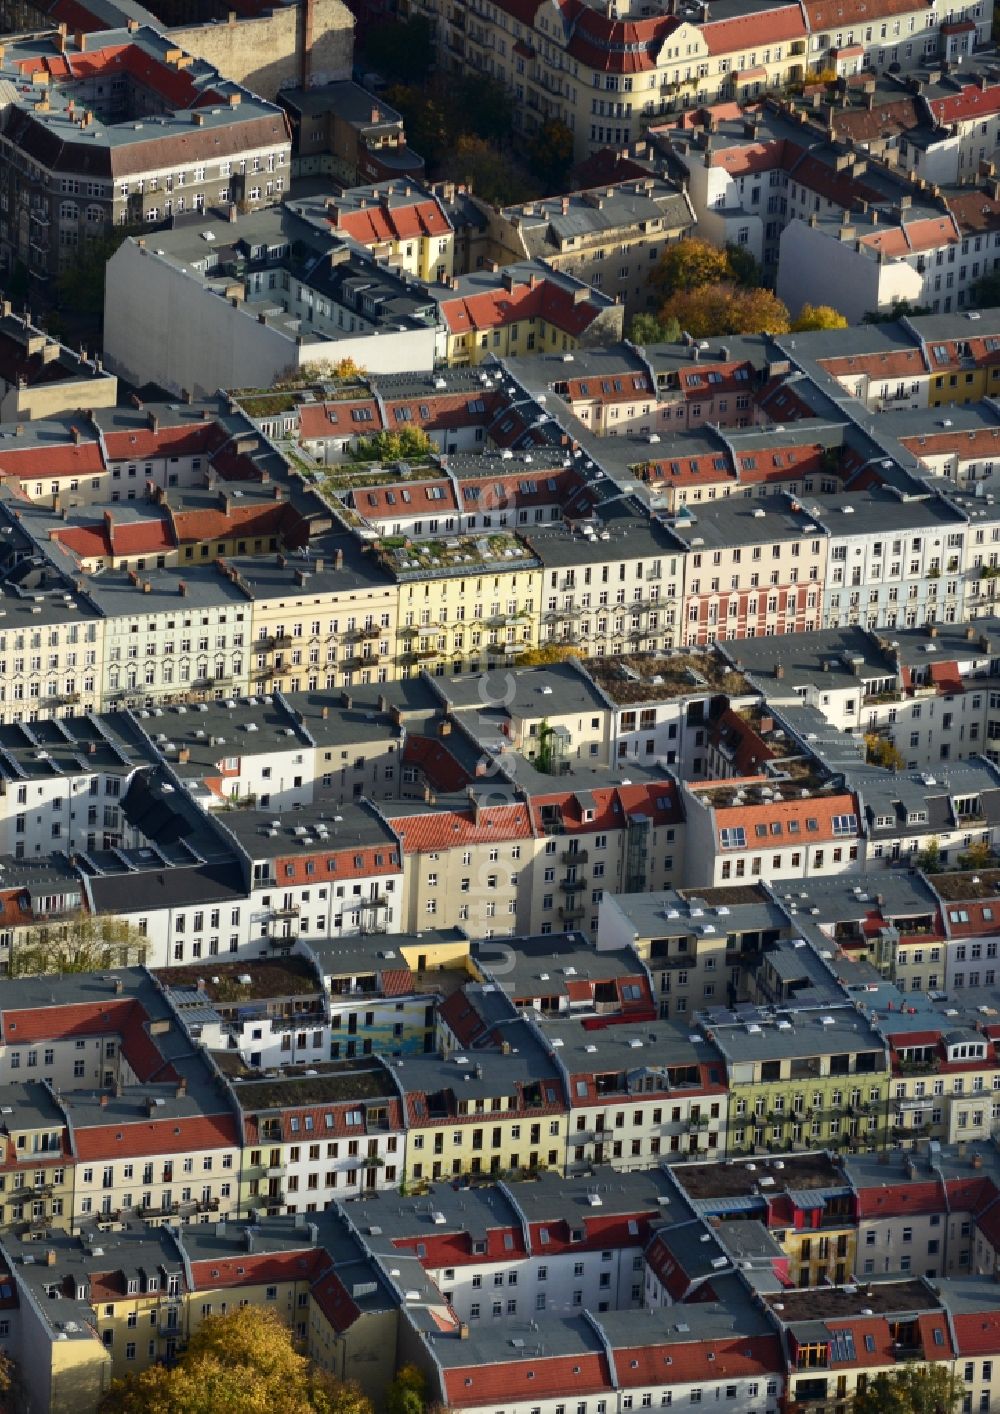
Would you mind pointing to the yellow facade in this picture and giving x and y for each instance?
(521, 336)
(308, 642)
(498, 1142)
(463, 621)
(40, 1189)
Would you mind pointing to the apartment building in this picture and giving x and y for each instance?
(339, 130)
(767, 827)
(606, 236)
(695, 944)
(319, 1132)
(813, 1074)
(499, 1110)
(685, 58)
(637, 1095)
(535, 1247)
(139, 131)
(751, 568)
(399, 222)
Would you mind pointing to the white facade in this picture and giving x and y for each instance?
(162, 325)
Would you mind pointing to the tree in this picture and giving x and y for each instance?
(80, 287)
(408, 1392)
(880, 751)
(492, 175)
(484, 107)
(986, 292)
(548, 653)
(977, 856)
(929, 858)
(818, 316)
(550, 153)
(402, 49)
(647, 329)
(898, 309)
(407, 445)
(746, 268)
(689, 264)
(726, 309)
(88, 942)
(917, 1389)
(240, 1363)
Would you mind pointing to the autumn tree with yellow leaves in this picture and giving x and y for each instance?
(242, 1363)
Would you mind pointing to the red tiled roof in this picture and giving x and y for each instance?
(335, 1302)
(747, 32)
(184, 440)
(320, 420)
(494, 309)
(346, 861)
(536, 1378)
(155, 1136)
(441, 829)
(392, 221)
(258, 1268)
(822, 809)
(978, 1333)
(736, 1357)
(69, 459)
(386, 502)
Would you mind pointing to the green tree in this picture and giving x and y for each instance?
(80, 287)
(240, 1363)
(818, 316)
(745, 267)
(495, 176)
(917, 1389)
(402, 49)
(407, 445)
(408, 1392)
(899, 309)
(550, 153)
(986, 292)
(485, 107)
(647, 329)
(430, 120)
(689, 264)
(709, 310)
(87, 942)
(929, 858)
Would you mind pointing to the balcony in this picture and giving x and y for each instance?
(571, 857)
(569, 886)
(572, 913)
(290, 910)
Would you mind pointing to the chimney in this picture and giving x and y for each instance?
(50, 1257)
(346, 701)
(325, 713)
(463, 1329)
(104, 1102)
(184, 755)
(234, 100)
(338, 560)
(75, 433)
(182, 1088)
(181, 587)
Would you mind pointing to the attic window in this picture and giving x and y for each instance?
(938, 1336)
(543, 1236)
(870, 1344)
(812, 824)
